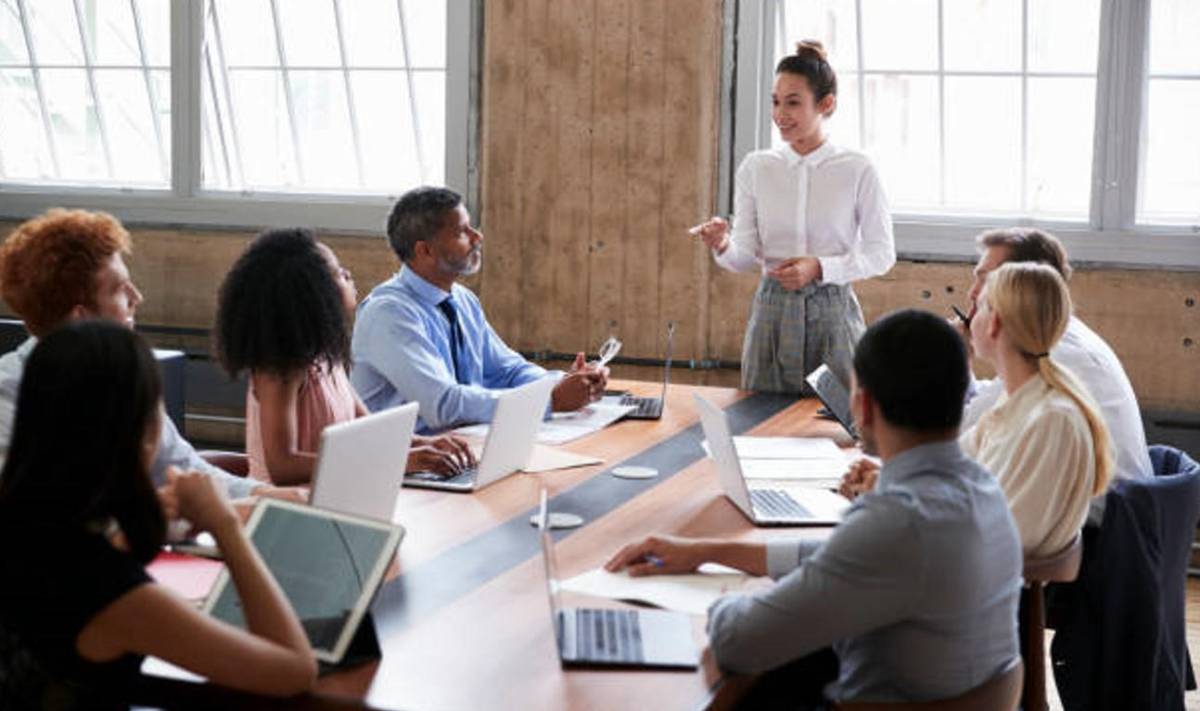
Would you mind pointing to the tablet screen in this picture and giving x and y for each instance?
(328, 565)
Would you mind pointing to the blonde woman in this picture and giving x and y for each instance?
(1044, 439)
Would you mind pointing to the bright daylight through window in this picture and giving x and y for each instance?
(988, 107)
(338, 97)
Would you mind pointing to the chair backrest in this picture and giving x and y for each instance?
(1000, 693)
(1061, 567)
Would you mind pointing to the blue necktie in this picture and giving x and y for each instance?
(456, 340)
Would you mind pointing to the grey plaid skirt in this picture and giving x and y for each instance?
(791, 333)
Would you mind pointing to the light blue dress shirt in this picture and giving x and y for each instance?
(401, 350)
(916, 589)
(173, 449)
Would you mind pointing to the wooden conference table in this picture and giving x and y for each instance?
(466, 622)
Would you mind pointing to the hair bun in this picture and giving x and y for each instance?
(813, 48)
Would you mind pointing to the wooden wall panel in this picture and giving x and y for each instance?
(503, 160)
(617, 139)
(606, 218)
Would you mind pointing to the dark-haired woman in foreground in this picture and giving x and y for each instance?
(812, 218)
(283, 314)
(79, 520)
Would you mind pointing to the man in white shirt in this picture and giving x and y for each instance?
(66, 265)
(1080, 350)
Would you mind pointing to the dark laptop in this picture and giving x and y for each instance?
(651, 408)
(640, 639)
(834, 396)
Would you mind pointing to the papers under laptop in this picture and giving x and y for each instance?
(604, 637)
(692, 593)
(834, 396)
(509, 441)
(651, 408)
(814, 461)
(360, 468)
(764, 506)
(328, 564)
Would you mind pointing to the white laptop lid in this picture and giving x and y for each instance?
(519, 413)
(361, 465)
(329, 566)
(720, 442)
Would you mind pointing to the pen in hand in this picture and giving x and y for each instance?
(962, 317)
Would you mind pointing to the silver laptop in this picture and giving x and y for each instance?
(651, 408)
(360, 468)
(509, 442)
(834, 396)
(329, 566)
(604, 637)
(795, 506)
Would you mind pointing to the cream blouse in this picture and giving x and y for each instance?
(1038, 444)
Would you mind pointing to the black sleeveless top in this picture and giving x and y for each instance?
(51, 585)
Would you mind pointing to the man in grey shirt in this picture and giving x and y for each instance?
(916, 590)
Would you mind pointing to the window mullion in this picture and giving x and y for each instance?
(1120, 105)
(1024, 199)
(187, 30)
(862, 77)
(89, 71)
(941, 79)
(35, 70)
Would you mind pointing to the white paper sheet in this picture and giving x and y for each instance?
(794, 470)
(692, 593)
(546, 459)
(563, 427)
(786, 448)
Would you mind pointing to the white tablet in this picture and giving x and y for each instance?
(328, 564)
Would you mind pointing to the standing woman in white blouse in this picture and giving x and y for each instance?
(1044, 440)
(812, 218)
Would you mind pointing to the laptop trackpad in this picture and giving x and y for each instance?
(667, 638)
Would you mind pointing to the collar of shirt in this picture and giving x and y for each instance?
(938, 456)
(424, 291)
(26, 348)
(813, 159)
(1018, 403)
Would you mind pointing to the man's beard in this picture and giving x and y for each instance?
(466, 266)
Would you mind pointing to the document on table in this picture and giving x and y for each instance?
(563, 427)
(786, 448)
(692, 593)
(805, 470)
(546, 459)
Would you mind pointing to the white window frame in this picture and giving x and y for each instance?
(1110, 236)
(186, 202)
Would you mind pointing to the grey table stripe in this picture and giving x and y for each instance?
(465, 567)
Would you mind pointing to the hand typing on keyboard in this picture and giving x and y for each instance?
(444, 456)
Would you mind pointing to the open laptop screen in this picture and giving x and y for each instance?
(834, 395)
(329, 566)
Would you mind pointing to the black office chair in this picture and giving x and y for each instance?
(1120, 640)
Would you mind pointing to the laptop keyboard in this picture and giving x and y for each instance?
(466, 476)
(646, 406)
(608, 636)
(776, 504)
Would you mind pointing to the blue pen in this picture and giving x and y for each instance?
(654, 560)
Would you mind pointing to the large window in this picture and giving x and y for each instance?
(1078, 114)
(243, 112)
(86, 92)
